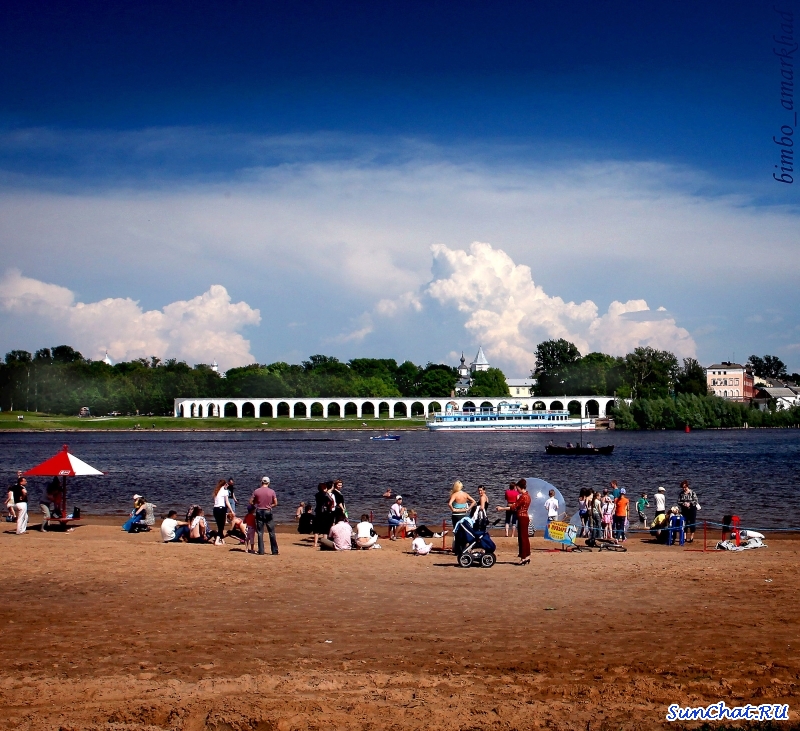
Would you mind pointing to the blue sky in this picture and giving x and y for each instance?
(307, 157)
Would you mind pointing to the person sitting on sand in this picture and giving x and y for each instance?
(299, 512)
(197, 527)
(50, 504)
(138, 514)
(340, 536)
(305, 524)
(174, 530)
(366, 537)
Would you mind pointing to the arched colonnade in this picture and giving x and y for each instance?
(361, 408)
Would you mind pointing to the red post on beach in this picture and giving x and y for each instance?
(705, 536)
(444, 535)
(735, 522)
(371, 519)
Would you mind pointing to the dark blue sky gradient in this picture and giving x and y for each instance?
(680, 82)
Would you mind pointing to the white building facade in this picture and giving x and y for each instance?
(362, 408)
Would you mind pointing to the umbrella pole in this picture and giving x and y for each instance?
(63, 497)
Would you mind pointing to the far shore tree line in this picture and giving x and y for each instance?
(663, 393)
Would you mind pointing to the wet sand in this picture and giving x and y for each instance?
(104, 630)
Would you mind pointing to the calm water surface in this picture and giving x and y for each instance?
(752, 473)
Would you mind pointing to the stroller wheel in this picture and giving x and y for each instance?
(465, 560)
(487, 560)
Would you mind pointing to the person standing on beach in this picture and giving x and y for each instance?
(687, 501)
(222, 506)
(232, 494)
(551, 506)
(18, 494)
(460, 503)
(264, 499)
(641, 504)
(336, 494)
(660, 499)
(520, 508)
(511, 517)
(620, 515)
(323, 512)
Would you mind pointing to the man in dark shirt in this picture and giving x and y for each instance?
(265, 500)
(19, 496)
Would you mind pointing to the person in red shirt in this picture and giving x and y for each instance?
(520, 508)
(620, 515)
(511, 517)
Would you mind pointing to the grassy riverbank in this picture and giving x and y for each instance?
(32, 421)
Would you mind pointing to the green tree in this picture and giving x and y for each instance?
(437, 380)
(553, 359)
(770, 366)
(490, 382)
(650, 373)
(691, 378)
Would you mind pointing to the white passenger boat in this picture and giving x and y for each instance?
(507, 417)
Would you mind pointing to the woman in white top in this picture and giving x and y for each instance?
(222, 506)
(366, 537)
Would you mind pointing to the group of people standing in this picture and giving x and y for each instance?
(17, 503)
(518, 502)
(606, 513)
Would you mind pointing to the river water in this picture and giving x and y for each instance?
(752, 473)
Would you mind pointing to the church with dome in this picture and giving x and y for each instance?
(465, 372)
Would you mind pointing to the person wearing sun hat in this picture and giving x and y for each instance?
(395, 517)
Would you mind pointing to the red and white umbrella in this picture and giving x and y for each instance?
(63, 465)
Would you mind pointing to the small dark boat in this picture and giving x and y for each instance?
(576, 451)
(385, 438)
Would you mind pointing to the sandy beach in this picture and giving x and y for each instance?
(105, 630)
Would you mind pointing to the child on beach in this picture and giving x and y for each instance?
(607, 517)
(641, 504)
(250, 525)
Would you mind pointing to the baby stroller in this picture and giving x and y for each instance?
(473, 545)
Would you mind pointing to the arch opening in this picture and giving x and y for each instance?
(283, 409)
(300, 409)
(592, 408)
(434, 407)
(351, 409)
(248, 410)
(417, 409)
(383, 409)
(556, 406)
(334, 410)
(230, 410)
(574, 408)
(265, 411)
(539, 406)
(400, 409)
(368, 409)
(317, 409)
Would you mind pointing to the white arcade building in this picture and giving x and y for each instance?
(306, 408)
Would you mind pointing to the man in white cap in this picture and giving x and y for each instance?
(264, 500)
(660, 499)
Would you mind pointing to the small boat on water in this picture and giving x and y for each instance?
(385, 438)
(578, 450)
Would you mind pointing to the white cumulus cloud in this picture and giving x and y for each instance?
(509, 314)
(198, 330)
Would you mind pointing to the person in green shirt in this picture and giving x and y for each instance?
(641, 504)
